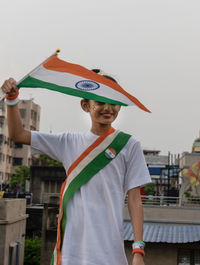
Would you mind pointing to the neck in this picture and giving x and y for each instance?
(99, 130)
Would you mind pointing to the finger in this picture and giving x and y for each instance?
(12, 81)
(8, 85)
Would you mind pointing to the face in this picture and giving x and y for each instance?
(102, 113)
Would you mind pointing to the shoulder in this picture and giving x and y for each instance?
(132, 147)
(58, 137)
(132, 140)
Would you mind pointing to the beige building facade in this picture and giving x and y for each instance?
(12, 230)
(13, 154)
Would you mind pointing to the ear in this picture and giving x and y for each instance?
(84, 105)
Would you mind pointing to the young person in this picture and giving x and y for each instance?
(102, 165)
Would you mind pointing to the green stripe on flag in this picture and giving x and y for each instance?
(90, 170)
(36, 83)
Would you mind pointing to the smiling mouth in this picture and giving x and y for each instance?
(107, 115)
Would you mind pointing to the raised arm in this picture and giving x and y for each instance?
(15, 128)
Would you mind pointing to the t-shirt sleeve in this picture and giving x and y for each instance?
(137, 173)
(49, 144)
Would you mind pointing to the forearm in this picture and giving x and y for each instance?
(136, 213)
(15, 128)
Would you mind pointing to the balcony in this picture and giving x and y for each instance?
(168, 201)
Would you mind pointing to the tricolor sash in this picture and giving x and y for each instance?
(88, 164)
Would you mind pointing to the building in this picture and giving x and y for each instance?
(171, 230)
(171, 233)
(43, 213)
(12, 230)
(190, 190)
(13, 154)
(164, 172)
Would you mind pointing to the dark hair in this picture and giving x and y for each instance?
(107, 76)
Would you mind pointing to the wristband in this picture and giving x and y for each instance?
(140, 242)
(12, 102)
(138, 247)
(12, 97)
(138, 250)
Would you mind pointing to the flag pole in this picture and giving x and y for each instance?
(56, 52)
(2, 94)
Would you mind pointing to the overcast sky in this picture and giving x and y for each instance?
(152, 47)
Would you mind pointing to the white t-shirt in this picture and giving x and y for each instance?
(94, 229)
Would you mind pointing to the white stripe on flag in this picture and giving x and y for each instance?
(69, 80)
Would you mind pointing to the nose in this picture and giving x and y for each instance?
(107, 106)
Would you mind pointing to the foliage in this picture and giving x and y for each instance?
(32, 251)
(150, 189)
(187, 194)
(22, 173)
(47, 161)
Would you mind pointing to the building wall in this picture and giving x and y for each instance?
(187, 159)
(13, 155)
(12, 228)
(160, 253)
(169, 214)
(155, 254)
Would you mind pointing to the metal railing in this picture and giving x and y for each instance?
(168, 201)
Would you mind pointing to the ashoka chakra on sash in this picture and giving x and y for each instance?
(87, 85)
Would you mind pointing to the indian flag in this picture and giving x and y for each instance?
(72, 79)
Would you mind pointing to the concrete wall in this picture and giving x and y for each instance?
(160, 253)
(169, 214)
(12, 228)
(163, 253)
(155, 254)
(188, 159)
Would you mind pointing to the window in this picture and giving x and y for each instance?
(2, 119)
(46, 186)
(189, 257)
(33, 115)
(22, 112)
(1, 138)
(2, 105)
(17, 161)
(53, 186)
(18, 145)
(9, 159)
(32, 128)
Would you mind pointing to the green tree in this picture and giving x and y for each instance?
(22, 173)
(47, 161)
(150, 189)
(32, 251)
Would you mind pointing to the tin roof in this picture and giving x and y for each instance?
(165, 233)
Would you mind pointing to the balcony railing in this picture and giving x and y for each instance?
(168, 201)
